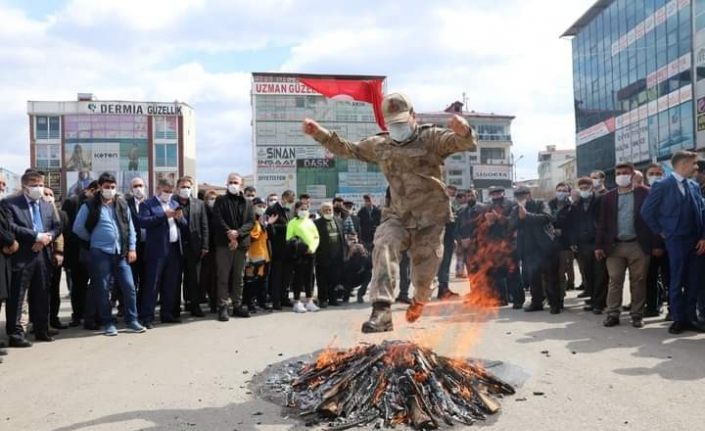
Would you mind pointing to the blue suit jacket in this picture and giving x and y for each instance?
(22, 227)
(661, 210)
(154, 221)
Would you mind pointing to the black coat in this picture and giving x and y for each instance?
(7, 238)
(369, 221)
(233, 212)
(195, 233)
(135, 216)
(277, 231)
(583, 222)
(561, 221)
(325, 253)
(72, 243)
(535, 237)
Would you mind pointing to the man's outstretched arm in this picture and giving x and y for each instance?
(363, 150)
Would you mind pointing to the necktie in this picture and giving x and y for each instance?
(37, 218)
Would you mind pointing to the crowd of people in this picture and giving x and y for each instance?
(240, 254)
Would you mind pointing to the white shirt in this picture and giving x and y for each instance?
(173, 230)
(679, 180)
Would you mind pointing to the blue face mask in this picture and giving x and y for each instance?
(400, 132)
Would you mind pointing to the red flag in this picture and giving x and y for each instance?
(363, 90)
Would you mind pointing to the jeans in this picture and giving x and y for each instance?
(104, 268)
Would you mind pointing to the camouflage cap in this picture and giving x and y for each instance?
(396, 108)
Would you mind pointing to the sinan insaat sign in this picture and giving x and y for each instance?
(130, 108)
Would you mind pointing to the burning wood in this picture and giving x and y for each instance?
(393, 383)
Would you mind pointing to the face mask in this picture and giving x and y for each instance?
(35, 193)
(400, 132)
(233, 189)
(561, 196)
(497, 199)
(250, 198)
(185, 192)
(328, 216)
(259, 211)
(302, 214)
(654, 179)
(49, 199)
(597, 183)
(108, 194)
(289, 205)
(211, 202)
(138, 192)
(164, 197)
(623, 180)
(585, 194)
(272, 202)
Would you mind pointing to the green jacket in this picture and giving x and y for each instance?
(305, 230)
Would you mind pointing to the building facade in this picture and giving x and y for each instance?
(491, 164)
(635, 88)
(12, 181)
(555, 166)
(75, 141)
(286, 159)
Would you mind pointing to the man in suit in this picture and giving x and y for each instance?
(370, 217)
(674, 210)
(234, 220)
(278, 215)
(35, 225)
(75, 259)
(194, 240)
(162, 217)
(137, 197)
(104, 222)
(330, 256)
(8, 247)
(626, 242)
(657, 281)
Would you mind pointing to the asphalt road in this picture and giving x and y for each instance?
(196, 375)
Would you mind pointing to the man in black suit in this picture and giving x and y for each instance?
(75, 257)
(194, 239)
(136, 198)
(278, 216)
(330, 255)
(35, 226)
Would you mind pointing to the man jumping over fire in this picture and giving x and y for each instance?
(417, 207)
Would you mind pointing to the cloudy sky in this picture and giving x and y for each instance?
(506, 55)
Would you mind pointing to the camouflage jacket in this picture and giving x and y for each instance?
(414, 170)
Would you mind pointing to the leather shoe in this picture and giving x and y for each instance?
(75, 323)
(19, 342)
(43, 336)
(637, 322)
(241, 312)
(380, 320)
(652, 313)
(171, 320)
(533, 307)
(196, 311)
(597, 311)
(555, 310)
(56, 324)
(677, 328)
(52, 331)
(611, 321)
(223, 314)
(518, 306)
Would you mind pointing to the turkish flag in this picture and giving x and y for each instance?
(369, 91)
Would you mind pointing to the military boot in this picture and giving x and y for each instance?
(413, 313)
(380, 320)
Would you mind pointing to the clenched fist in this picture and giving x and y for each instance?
(459, 125)
(310, 127)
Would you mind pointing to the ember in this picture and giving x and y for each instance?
(393, 383)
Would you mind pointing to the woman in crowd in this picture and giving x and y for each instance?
(302, 241)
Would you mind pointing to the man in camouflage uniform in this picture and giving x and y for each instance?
(417, 209)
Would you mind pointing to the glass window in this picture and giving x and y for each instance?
(47, 127)
(492, 155)
(165, 156)
(165, 128)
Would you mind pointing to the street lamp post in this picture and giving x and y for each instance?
(514, 166)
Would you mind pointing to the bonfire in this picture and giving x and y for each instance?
(392, 383)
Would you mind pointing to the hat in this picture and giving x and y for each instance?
(521, 191)
(396, 108)
(348, 203)
(258, 201)
(495, 189)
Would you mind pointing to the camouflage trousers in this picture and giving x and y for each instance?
(425, 248)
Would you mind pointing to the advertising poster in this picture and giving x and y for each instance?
(133, 156)
(78, 157)
(77, 181)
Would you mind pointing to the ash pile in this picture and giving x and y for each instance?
(389, 384)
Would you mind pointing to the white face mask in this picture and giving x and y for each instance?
(585, 194)
(35, 193)
(302, 214)
(272, 202)
(259, 211)
(289, 205)
(561, 196)
(185, 192)
(210, 202)
(654, 179)
(233, 189)
(108, 194)
(623, 180)
(400, 132)
(250, 198)
(164, 197)
(596, 182)
(328, 216)
(138, 192)
(49, 199)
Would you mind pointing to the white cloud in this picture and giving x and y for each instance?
(505, 55)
